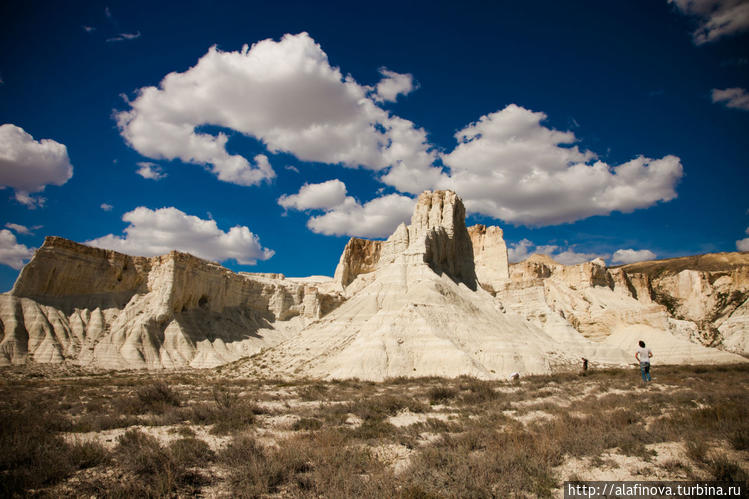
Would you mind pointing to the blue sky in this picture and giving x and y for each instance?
(264, 135)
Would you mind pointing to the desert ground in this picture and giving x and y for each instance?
(69, 432)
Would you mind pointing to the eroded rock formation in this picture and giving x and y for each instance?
(417, 310)
(435, 298)
(489, 255)
(102, 308)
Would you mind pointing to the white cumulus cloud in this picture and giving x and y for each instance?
(344, 215)
(156, 232)
(717, 18)
(508, 165)
(631, 256)
(743, 244)
(27, 166)
(393, 84)
(106, 206)
(324, 196)
(12, 253)
(150, 170)
(284, 93)
(376, 218)
(736, 98)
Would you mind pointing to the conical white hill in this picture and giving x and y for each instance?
(419, 312)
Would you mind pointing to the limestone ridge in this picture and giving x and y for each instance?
(436, 236)
(707, 305)
(489, 255)
(63, 271)
(360, 256)
(438, 233)
(435, 298)
(99, 307)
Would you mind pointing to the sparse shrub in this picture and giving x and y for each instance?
(87, 454)
(157, 396)
(312, 392)
(252, 472)
(228, 413)
(191, 451)
(334, 414)
(675, 466)
(185, 431)
(696, 450)
(477, 391)
(322, 465)
(100, 422)
(33, 454)
(724, 470)
(157, 472)
(434, 425)
(483, 464)
(307, 424)
(439, 394)
(373, 429)
(416, 492)
(234, 418)
(224, 397)
(381, 406)
(740, 439)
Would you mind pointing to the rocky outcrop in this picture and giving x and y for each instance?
(489, 255)
(600, 302)
(735, 329)
(360, 256)
(437, 236)
(705, 290)
(418, 312)
(435, 298)
(169, 311)
(586, 297)
(438, 233)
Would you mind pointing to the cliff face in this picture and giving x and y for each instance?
(415, 308)
(710, 291)
(418, 311)
(706, 305)
(435, 298)
(360, 256)
(489, 255)
(437, 237)
(102, 308)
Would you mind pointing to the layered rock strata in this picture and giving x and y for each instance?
(601, 303)
(489, 255)
(418, 311)
(102, 308)
(435, 298)
(710, 291)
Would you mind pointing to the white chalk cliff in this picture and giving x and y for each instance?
(438, 298)
(435, 298)
(105, 309)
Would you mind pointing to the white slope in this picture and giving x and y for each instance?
(410, 321)
(407, 319)
(666, 347)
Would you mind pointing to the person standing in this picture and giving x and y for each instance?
(643, 355)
